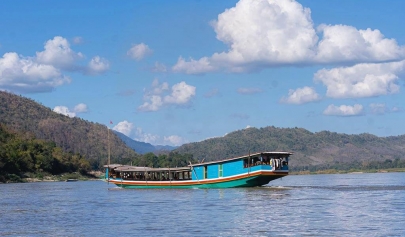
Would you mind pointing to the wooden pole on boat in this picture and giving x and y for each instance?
(146, 180)
(109, 150)
(108, 161)
(122, 178)
(169, 178)
(194, 172)
(249, 164)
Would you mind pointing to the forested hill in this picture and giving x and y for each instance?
(89, 139)
(73, 135)
(309, 148)
(21, 155)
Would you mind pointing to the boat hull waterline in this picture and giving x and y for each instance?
(246, 180)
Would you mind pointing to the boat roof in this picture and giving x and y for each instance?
(271, 153)
(123, 168)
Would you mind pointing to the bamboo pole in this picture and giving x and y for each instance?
(146, 180)
(249, 164)
(192, 167)
(108, 161)
(170, 180)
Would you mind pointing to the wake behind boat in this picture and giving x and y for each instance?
(246, 171)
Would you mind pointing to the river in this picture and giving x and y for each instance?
(296, 205)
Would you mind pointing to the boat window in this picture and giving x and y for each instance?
(253, 161)
(220, 170)
(205, 172)
(264, 160)
(245, 163)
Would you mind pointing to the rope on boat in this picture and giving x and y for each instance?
(192, 167)
(249, 164)
(170, 180)
(146, 178)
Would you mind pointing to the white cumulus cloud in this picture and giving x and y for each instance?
(80, 108)
(140, 135)
(64, 110)
(59, 54)
(301, 96)
(194, 67)
(124, 127)
(174, 140)
(361, 80)
(24, 74)
(181, 93)
(139, 51)
(270, 33)
(157, 88)
(98, 65)
(153, 103)
(161, 95)
(44, 72)
(342, 43)
(343, 110)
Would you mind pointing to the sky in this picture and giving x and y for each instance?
(174, 72)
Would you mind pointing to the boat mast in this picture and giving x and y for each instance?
(108, 137)
(108, 144)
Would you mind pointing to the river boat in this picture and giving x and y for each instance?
(251, 170)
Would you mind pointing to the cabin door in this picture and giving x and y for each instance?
(205, 171)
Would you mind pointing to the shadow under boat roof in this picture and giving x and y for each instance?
(129, 168)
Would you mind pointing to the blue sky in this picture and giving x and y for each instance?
(173, 72)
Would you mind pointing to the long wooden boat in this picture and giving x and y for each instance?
(246, 171)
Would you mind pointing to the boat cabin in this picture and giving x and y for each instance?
(127, 172)
(273, 161)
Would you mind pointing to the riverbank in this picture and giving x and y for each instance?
(46, 177)
(352, 171)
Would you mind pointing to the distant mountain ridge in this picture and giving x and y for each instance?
(142, 147)
(72, 134)
(164, 148)
(309, 148)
